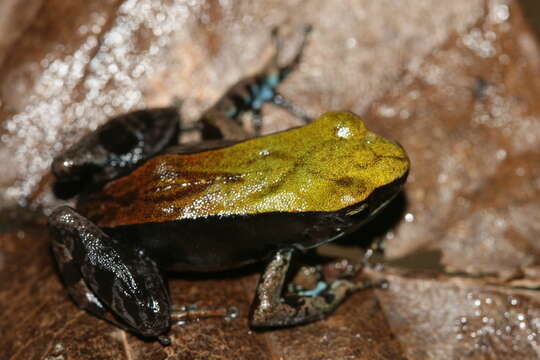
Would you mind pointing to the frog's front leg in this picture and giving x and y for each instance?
(271, 309)
(105, 276)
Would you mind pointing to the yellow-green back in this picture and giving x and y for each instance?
(328, 165)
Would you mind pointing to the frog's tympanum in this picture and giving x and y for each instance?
(262, 199)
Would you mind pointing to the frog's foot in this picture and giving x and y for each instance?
(247, 96)
(117, 146)
(112, 281)
(276, 74)
(283, 71)
(183, 314)
(271, 309)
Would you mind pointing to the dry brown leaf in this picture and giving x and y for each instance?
(455, 82)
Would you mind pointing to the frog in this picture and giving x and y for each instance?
(154, 207)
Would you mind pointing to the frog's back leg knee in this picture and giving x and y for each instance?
(103, 275)
(118, 146)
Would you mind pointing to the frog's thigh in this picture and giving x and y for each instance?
(271, 309)
(118, 146)
(102, 274)
(71, 275)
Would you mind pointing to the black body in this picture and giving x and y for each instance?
(224, 242)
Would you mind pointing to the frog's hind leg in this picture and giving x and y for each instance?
(107, 278)
(224, 119)
(264, 87)
(79, 291)
(271, 309)
(276, 73)
(77, 288)
(117, 146)
(282, 71)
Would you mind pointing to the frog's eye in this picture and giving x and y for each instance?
(344, 132)
(340, 124)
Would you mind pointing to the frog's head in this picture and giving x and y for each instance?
(367, 170)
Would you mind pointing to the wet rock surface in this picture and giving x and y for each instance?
(456, 83)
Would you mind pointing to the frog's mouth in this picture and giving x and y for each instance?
(377, 200)
(353, 217)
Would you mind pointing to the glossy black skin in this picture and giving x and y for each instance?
(103, 274)
(116, 147)
(224, 242)
(115, 273)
